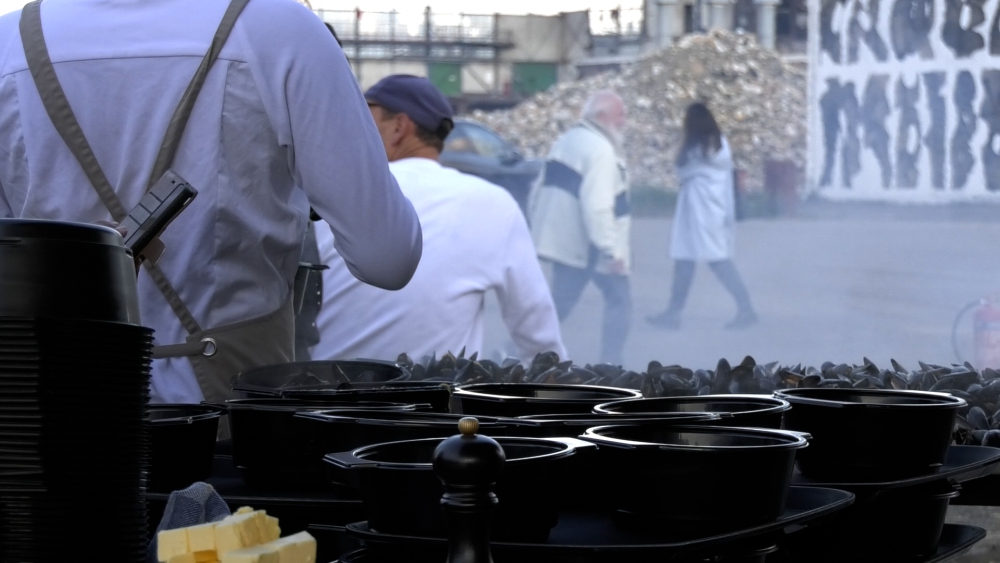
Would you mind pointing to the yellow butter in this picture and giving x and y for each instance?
(183, 558)
(257, 554)
(237, 532)
(243, 510)
(201, 537)
(296, 548)
(268, 526)
(170, 543)
(205, 556)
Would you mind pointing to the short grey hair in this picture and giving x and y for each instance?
(601, 102)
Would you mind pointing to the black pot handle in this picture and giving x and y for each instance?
(223, 408)
(348, 461)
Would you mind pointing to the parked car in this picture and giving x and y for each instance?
(475, 149)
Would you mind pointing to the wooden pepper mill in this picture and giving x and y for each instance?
(468, 466)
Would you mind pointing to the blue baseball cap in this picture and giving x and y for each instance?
(418, 98)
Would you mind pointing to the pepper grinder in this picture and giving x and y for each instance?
(468, 465)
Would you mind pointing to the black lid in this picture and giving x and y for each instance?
(59, 231)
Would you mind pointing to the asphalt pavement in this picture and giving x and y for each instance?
(837, 282)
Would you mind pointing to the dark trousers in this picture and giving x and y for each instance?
(567, 286)
(723, 269)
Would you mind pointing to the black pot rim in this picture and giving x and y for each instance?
(286, 405)
(376, 418)
(567, 450)
(768, 403)
(798, 396)
(603, 419)
(201, 412)
(472, 392)
(790, 440)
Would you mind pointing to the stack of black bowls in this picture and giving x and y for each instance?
(74, 384)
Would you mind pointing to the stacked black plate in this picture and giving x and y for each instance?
(74, 384)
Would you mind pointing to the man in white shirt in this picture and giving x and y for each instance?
(475, 240)
(279, 123)
(581, 216)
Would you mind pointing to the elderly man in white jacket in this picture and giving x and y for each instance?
(475, 240)
(580, 218)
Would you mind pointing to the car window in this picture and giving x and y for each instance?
(486, 143)
(459, 141)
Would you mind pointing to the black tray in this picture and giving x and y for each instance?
(593, 536)
(956, 539)
(962, 463)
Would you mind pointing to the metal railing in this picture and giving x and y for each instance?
(359, 25)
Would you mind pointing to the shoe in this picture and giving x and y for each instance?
(743, 319)
(666, 319)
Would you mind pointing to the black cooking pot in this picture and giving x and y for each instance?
(346, 430)
(182, 444)
(35, 256)
(745, 410)
(276, 380)
(522, 399)
(573, 425)
(402, 495)
(703, 476)
(895, 523)
(436, 394)
(274, 449)
(871, 433)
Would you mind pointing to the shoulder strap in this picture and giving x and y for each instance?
(57, 106)
(62, 116)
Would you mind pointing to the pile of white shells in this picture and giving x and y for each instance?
(758, 98)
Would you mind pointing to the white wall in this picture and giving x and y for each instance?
(370, 72)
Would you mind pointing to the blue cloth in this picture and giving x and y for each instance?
(197, 504)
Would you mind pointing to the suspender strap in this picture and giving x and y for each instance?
(173, 298)
(57, 106)
(175, 130)
(62, 116)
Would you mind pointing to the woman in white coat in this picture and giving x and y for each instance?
(705, 218)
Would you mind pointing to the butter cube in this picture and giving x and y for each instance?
(243, 510)
(268, 525)
(201, 537)
(183, 558)
(256, 554)
(170, 543)
(205, 556)
(297, 548)
(236, 532)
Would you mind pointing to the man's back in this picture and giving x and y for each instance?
(475, 240)
(279, 110)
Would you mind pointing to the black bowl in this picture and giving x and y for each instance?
(182, 444)
(274, 449)
(871, 434)
(745, 410)
(704, 476)
(523, 399)
(402, 494)
(35, 257)
(346, 430)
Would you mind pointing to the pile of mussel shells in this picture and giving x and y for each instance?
(979, 422)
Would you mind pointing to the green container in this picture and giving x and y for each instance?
(447, 77)
(530, 78)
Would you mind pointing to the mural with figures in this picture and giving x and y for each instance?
(905, 99)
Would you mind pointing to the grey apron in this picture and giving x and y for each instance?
(216, 354)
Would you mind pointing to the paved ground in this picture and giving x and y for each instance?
(835, 283)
